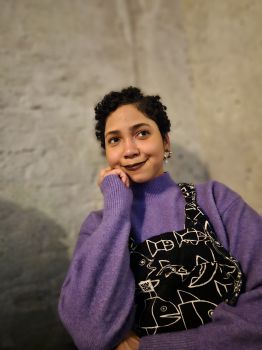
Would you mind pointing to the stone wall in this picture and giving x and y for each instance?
(57, 59)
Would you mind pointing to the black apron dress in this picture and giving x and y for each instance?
(181, 276)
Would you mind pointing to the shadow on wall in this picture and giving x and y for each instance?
(185, 166)
(33, 262)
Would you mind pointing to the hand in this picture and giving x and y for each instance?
(117, 171)
(131, 342)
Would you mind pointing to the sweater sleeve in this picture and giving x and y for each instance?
(232, 327)
(97, 297)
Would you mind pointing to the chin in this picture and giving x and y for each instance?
(140, 178)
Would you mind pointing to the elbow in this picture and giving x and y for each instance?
(95, 323)
(89, 333)
(77, 327)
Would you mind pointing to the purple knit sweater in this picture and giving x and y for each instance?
(97, 298)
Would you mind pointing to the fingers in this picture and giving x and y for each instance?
(123, 176)
(131, 342)
(117, 171)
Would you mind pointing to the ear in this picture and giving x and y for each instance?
(166, 142)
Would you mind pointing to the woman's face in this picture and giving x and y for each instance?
(133, 142)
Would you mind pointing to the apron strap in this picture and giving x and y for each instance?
(189, 192)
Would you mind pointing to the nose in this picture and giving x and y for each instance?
(130, 148)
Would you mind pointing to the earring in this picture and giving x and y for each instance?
(167, 155)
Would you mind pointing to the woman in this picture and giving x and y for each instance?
(163, 265)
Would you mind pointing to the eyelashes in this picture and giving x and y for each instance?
(113, 140)
(141, 134)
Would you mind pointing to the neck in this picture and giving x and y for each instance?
(158, 207)
(155, 186)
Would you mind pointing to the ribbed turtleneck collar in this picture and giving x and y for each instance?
(153, 187)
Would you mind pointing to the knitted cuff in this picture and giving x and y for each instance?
(116, 194)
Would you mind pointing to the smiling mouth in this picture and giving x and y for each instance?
(135, 166)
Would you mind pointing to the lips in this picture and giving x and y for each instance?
(135, 166)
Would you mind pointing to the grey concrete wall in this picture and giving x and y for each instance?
(57, 59)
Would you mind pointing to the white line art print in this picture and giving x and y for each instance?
(145, 264)
(163, 313)
(199, 309)
(206, 273)
(182, 276)
(191, 236)
(167, 269)
(222, 288)
(162, 244)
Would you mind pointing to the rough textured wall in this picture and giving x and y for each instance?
(57, 59)
(225, 53)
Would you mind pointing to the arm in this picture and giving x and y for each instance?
(233, 327)
(96, 302)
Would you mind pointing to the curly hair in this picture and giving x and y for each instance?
(150, 106)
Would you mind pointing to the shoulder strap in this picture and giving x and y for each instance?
(189, 192)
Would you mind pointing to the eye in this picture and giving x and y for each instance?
(163, 308)
(113, 140)
(143, 134)
(142, 262)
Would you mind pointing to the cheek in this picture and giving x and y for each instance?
(112, 158)
(156, 149)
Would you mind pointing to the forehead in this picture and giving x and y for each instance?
(126, 116)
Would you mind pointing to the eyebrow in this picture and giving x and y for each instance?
(132, 128)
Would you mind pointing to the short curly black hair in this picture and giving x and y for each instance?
(150, 106)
